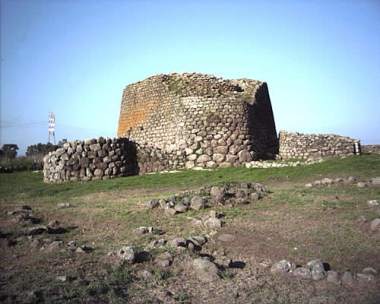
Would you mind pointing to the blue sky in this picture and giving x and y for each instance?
(321, 60)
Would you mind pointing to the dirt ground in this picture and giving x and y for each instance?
(292, 222)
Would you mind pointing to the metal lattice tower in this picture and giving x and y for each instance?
(51, 127)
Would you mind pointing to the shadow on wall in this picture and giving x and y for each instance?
(130, 154)
(261, 125)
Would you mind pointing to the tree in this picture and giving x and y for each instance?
(62, 141)
(40, 149)
(9, 151)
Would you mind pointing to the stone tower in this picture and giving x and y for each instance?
(201, 120)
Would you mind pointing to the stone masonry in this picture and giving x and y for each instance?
(200, 120)
(191, 121)
(308, 146)
(90, 160)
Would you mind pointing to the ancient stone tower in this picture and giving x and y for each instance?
(200, 120)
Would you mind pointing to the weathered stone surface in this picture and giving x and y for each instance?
(317, 270)
(96, 159)
(282, 266)
(365, 278)
(197, 203)
(373, 203)
(303, 146)
(375, 224)
(180, 207)
(205, 270)
(213, 223)
(375, 181)
(369, 270)
(333, 277)
(348, 279)
(302, 273)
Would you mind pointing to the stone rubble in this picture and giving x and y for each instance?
(350, 180)
(315, 270)
(229, 194)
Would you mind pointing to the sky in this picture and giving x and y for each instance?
(320, 59)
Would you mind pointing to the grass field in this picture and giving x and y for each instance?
(292, 222)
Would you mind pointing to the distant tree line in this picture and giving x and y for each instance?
(33, 160)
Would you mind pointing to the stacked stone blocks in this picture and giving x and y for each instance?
(308, 146)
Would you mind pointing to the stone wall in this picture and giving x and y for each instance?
(199, 120)
(304, 146)
(371, 149)
(91, 160)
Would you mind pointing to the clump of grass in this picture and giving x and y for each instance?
(182, 297)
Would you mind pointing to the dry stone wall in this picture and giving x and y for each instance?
(199, 120)
(305, 146)
(371, 149)
(91, 160)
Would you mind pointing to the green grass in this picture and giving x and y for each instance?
(27, 185)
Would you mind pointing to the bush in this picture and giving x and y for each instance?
(22, 163)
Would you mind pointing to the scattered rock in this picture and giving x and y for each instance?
(223, 261)
(197, 203)
(317, 270)
(282, 266)
(365, 277)
(302, 273)
(375, 181)
(170, 211)
(180, 208)
(309, 185)
(361, 184)
(61, 278)
(86, 248)
(217, 194)
(63, 205)
(127, 254)
(72, 245)
(205, 270)
(35, 230)
(157, 243)
(79, 250)
(348, 279)
(333, 277)
(326, 181)
(197, 240)
(213, 223)
(152, 203)
(375, 224)
(178, 242)
(53, 246)
(142, 230)
(373, 203)
(164, 260)
(144, 274)
(369, 270)
(20, 210)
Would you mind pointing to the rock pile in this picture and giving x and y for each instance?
(344, 180)
(229, 194)
(316, 270)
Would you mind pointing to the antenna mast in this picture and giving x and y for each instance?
(51, 127)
